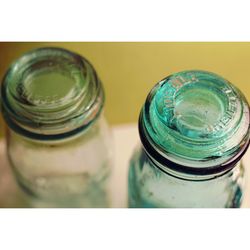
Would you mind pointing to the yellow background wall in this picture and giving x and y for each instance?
(129, 70)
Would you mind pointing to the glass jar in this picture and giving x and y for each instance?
(57, 137)
(194, 129)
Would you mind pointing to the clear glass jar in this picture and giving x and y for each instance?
(57, 138)
(194, 129)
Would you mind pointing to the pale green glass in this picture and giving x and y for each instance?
(57, 138)
(194, 128)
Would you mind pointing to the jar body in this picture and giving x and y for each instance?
(69, 172)
(149, 186)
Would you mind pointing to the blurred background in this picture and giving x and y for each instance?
(129, 70)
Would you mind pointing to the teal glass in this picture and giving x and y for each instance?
(58, 141)
(194, 129)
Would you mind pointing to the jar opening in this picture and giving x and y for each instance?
(197, 111)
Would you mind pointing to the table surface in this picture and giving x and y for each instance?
(125, 140)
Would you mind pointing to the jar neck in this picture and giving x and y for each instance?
(51, 93)
(190, 176)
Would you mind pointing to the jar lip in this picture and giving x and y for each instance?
(51, 91)
(152, 152)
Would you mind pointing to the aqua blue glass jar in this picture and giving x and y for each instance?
(58, 141)
(194, 129)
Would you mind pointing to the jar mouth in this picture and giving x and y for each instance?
(51, 91)
(196, 122)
